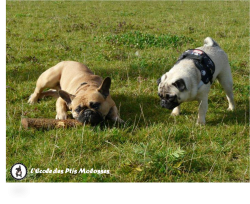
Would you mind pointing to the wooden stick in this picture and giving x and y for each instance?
(45, 123)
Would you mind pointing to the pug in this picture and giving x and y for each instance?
(191, 77)
(79, 90)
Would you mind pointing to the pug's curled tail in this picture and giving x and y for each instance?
(210, 42)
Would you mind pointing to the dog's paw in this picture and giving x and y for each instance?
(175, 113)
(61, 116)
(230, 108)
(117, 120)
(32, 99)
(200, 122)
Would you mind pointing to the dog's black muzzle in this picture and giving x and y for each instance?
(90, 116)
(170, 102)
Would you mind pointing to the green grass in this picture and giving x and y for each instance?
(134, 43)
(140, 40)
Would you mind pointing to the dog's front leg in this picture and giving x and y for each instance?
(114, 116)
(61, 109)
(176, 111)
(202, 110)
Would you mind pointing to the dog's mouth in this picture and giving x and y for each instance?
(90, 116)
(169, 104)
(169, 101)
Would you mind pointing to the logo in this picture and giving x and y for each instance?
(197, 52)
(203, 72)
(18, 171)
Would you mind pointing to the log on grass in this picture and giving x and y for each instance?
(45, 123)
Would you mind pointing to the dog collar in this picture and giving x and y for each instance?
(203, 62)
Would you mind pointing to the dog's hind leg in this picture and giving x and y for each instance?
(50, 93)
(114, 115)
(48, 79)
(226, 82)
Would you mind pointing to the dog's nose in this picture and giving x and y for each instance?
(163, 103)
(90, 116)
(87, 113)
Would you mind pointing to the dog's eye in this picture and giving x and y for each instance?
(168, 96)
(79, 109)
(94, 105)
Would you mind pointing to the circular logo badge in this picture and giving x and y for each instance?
(203, 72)
(18, 171)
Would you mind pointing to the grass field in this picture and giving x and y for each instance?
(134, 43)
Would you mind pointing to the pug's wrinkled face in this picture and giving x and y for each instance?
(91, 107)
(171, 92)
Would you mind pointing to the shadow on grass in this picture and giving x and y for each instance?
(239, 116)
(141, 110)
(148, 108)
(145, 111)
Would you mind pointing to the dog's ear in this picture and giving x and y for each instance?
(158, 81)
(105, 86)
(66, 96)
(180, 85)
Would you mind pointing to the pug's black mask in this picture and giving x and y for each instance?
(169, 102)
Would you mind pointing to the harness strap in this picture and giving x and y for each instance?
(203, 62)
(200, 84)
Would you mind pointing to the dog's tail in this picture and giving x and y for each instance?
(210, 42)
